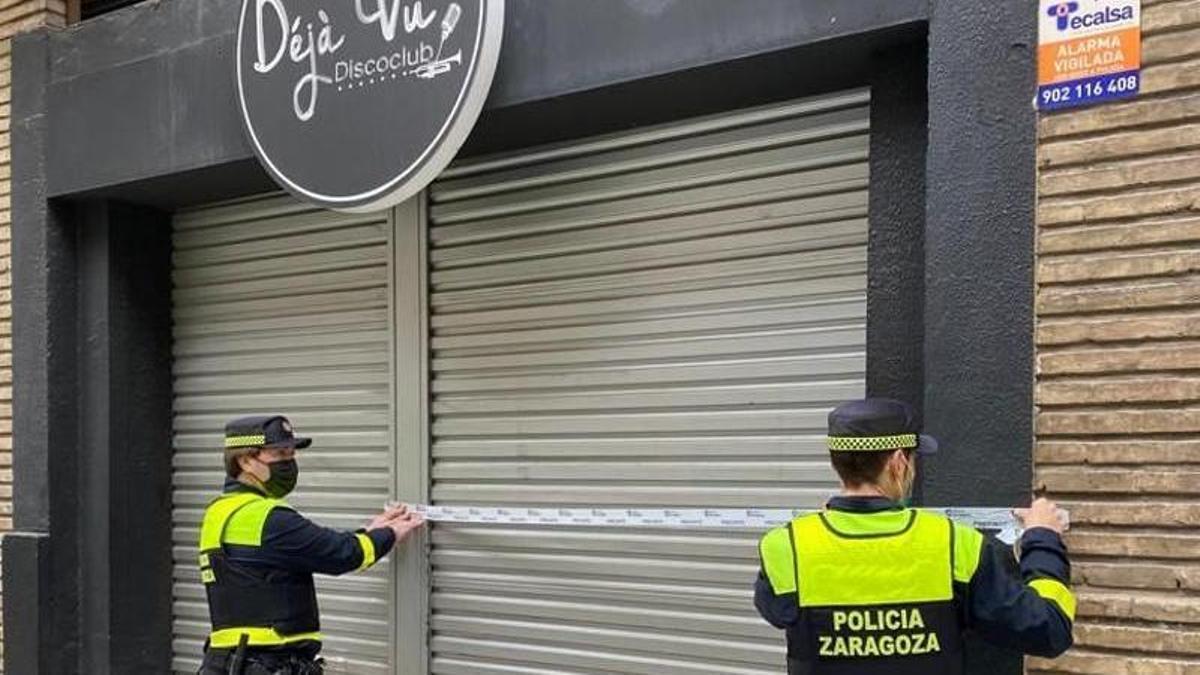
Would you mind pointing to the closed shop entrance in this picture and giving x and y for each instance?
(657, 318)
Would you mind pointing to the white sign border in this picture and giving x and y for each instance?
(444, 146)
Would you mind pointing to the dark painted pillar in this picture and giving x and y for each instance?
(125, 415)
(87, 570)
(41, 588)
(979, 261)
(94, 470)
(139, 443)
(896, 251)
(979, 241)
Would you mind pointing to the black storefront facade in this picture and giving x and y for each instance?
(122, 122)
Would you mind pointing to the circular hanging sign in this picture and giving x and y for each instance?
(357, 105)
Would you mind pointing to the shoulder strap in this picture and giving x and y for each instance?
(777, 552)
(245, 526)
(968, 548)
(218, 514)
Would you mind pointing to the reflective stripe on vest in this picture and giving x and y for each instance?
(230, 638)
(876, 593)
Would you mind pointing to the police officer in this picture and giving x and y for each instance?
(258, 556)
(871, 586)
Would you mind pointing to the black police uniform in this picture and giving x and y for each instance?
(871, 586)
(257, 560)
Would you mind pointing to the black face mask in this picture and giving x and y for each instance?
(282, 478)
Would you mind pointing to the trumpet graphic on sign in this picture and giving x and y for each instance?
(439, 65)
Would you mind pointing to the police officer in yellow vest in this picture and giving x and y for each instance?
(871, 586)
(258, 556)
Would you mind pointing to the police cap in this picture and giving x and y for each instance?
(263, 431)
(874, 424)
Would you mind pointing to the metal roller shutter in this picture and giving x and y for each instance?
(279, 307)
(660, 317)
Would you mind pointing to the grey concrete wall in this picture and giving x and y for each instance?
(157, 78)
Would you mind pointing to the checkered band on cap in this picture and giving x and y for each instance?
(250, 441)
(872, 443)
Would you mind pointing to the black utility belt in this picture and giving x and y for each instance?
(257, 661)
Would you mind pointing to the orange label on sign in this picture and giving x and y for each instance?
(1090, 56)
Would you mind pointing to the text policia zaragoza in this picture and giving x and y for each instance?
(878, 632)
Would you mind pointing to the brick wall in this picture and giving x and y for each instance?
(1118, 356)
(16, 16)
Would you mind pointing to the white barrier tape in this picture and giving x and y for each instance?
(999, 520)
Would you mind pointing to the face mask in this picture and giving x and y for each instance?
(282, 478)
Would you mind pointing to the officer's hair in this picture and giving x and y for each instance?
(860, 467)
(232, 467)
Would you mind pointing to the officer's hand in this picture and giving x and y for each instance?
(389, 514)
(406, 524)
(1042, 513)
